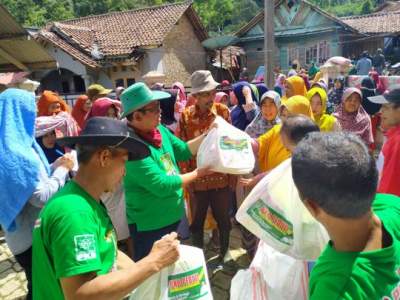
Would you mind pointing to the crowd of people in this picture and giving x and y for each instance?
(79, 184)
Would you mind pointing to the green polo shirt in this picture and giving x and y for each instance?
(153, 186)
(362, 275)
(73, 235)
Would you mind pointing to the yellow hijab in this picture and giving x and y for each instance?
(298, 85)
(299, 105)
(325, 122)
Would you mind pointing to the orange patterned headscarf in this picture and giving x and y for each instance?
(47, 98)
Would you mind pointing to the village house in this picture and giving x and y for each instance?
(303, 32)
(119, 48)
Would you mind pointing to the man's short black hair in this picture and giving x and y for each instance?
(336, 171)
(294, 66)
(297, 127)
(86, 152)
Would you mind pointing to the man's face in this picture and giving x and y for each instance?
(205, 100)
(390, 115)
(113, 167)
(148, 117)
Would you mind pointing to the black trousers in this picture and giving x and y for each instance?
(25, 260)
(219, 200)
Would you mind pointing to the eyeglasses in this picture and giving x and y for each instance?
(153, 110)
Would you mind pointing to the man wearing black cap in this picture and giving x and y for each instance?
(74, 244)
(390, 110)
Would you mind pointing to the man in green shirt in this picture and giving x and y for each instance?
(154, 185)
(337, 180)
(75, 253)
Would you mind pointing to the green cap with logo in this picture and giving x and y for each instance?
(139, 95)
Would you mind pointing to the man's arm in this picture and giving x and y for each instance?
(116, 285)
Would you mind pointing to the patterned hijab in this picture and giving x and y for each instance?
(358, 122)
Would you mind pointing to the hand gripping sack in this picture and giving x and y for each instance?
(227, 150)
(186, 279)
(274, 212)
(272, 276)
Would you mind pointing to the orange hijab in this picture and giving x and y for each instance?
(78, 113)
(47, 98)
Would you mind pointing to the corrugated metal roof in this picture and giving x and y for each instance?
(18, 50)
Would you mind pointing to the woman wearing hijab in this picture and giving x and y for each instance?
(318, 100)
(280, 84)
(267, 117)
(181, 99)
(294, 86)
(261, 89)
(51, 104)
(336, 94)
(48, 128)
(271, 151)
(352, 116)
(81, 109)
(368, 89)
(105, 107)
(380, 88)
(244, 99)
(222, 97)
(168, 116)
(27, 181)
(313, 71)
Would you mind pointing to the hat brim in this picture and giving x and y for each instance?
(206, 88)
(156, 96)
(137, 149)
(378, 99)
(105, 92)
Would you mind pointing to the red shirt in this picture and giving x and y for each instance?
(390, 181)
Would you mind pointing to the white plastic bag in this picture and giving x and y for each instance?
(272, 276)
(226, 149)
(186, 279)
(248, 284)
(274, 212)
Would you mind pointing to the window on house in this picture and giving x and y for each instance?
(311, 54)
(115, 69)
(130, 81)
(259, 49)
(323, 52)
(318, 53)
(65, 87)
(123, 68)
(119, 82)
(79, 84)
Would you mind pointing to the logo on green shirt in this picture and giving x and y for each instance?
(85, 247)
(272, 221)
(187, 285)
(168, 164)
(227, 143)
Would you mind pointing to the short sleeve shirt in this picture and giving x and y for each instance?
(362, 275)
(73, 235)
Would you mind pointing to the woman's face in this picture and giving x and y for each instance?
(88, 105)
(284, 113)
(282, 80)
(269, 110)
(316, 105)
(112, 113)
(289, 89)
(234, 100)
(54, 108)
(352, 103)
(338, 84)
(49, 140)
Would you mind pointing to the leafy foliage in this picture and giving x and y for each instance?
(219, 16)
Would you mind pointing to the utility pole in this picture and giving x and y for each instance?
(269, 42)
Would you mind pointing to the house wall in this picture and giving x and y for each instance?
(183, 54)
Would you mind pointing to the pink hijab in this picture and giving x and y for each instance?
(358, 122)
(219, 96)
(181, 104)
(101, 106)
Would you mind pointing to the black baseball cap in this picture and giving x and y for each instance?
(388, 97)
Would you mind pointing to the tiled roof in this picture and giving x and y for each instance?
(68, 48)
(120, 33)
(378, 23)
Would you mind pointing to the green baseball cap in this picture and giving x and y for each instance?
(139, 95)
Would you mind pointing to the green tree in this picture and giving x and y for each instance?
(366, 7)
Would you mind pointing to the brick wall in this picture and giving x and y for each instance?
(184, 53)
